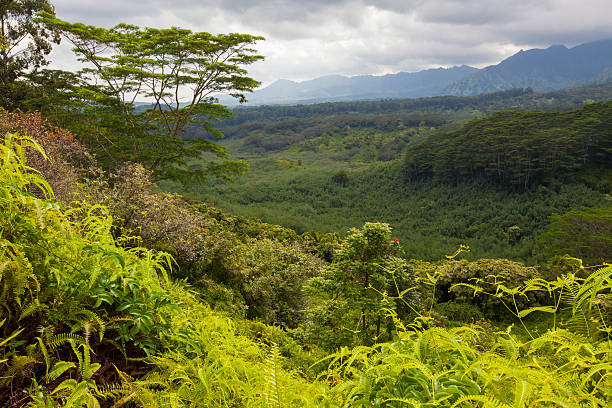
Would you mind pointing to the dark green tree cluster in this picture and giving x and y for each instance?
(178, 70)
(585, 233)
(518, 149)
(351, 298)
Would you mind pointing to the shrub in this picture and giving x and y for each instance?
(352, 297)
(487, 273)
(66, 159)
(64, 272)
(270, 276)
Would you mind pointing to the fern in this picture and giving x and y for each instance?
(16, 368)
(486, 400)
(506, 347)
(273, 399)
(57, 340)
(31, 308)
(571, 296)
(58, 369)
(596, 282)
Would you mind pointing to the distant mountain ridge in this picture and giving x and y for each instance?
(334, 88)
(550, 69)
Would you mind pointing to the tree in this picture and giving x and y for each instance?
(349, 296)
(24, 43)
(179, 72)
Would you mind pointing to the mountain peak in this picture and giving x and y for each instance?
(556, 67)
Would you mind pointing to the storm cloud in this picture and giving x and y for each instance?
(311, 38)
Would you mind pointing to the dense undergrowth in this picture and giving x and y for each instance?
(492, 183)
(102, 305)
(83, 315)
(431, 218)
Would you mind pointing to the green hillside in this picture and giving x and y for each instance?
(123, 324)
(521, 149)
(438, 189)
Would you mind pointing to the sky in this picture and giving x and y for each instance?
(306, 39)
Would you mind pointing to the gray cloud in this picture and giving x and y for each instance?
(310, 38)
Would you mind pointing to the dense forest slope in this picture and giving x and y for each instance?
(520, 149)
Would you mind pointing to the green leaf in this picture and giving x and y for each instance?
(58, 369)
(546, 309)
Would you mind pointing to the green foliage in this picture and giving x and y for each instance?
(248, 265)
(341, 177)
(354, 136)
(349, 297)
(65, 272)
(67, 159)
(269, 276)
(455, 280)
(74, 263)
(585, 233)
(467, 364)
(459, 311)
(431, 218)
(518, 149)
(24, 42)
(273, 393)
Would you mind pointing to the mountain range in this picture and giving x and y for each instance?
(553, 68)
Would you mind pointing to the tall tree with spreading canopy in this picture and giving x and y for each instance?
(179, 72)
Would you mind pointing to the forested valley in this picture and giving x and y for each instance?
(433, 252)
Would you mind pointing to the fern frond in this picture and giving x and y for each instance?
(131, 390)
(87, 323)
(605, 367)
(507, 348)
(113, 391)
(45, 354)
(570, 295)
(596, 282)
(16, 367)
(273, 399)
(486, 400)
(56, 340)
(30, 309)
(521, 393)
(58, 369)
(11, 336)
